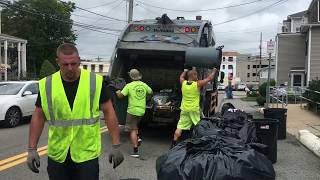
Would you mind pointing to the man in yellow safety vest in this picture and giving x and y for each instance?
(190, 104)
(69, 101)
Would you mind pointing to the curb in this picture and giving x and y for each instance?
(311, 141)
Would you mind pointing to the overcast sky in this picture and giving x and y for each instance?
(240, 35)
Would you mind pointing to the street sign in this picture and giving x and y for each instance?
(270, 46)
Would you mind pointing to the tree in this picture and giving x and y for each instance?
(47, 69)
(44, 23)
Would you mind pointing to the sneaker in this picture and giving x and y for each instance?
(135, 155)
(139, 141)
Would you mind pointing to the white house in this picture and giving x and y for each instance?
(100, 67)
(229, 65)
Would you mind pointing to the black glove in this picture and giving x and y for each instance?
(33, 160)
(116, 156)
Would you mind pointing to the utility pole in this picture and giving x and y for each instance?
(260, 56)
(130, 15)
(270, 50)
(0, 19)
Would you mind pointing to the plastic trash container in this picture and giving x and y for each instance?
(281, 115)
(267, 133)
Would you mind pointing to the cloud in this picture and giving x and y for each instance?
(242, 35)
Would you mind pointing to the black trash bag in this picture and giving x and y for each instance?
(214, 158)
(240, 129)
(225, 107)
(212, 126)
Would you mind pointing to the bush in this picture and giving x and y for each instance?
(314, 86)
(263, 87)
(261, 100)
(47, 69)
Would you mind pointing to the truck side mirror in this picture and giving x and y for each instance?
(221, 76)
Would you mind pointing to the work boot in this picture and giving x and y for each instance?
(135, 153)
(139, 141)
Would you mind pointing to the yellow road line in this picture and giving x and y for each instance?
(21, 158)
(19, 161)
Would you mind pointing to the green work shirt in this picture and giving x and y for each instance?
(190, 97)
(137, 92)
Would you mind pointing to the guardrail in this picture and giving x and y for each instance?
(281, 95)
(303, 98)
(278, 95)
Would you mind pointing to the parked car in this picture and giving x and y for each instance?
(241, 87)
(17, 100)
(221, 86)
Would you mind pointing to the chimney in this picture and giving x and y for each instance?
(198, 17)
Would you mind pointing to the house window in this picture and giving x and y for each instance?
(248, 66)
(223, 66)
(230, 67)
(248, 75)
(85, 66)
(254, 74)
(230, 59)
(254, 66)
(298, 29)
(2, 76)
(100, 68)
(263, 66)
(93, 68)
(224, 58)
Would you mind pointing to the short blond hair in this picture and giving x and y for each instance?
(67, 49)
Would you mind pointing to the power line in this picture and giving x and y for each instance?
(78, 24)
(108, 17)
(105, 4)
(117, 5)
(199, 10)
(255, 12)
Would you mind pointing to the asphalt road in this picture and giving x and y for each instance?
(295, 162)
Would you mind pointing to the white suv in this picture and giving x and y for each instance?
(17, 100)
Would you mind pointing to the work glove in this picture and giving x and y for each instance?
(33, 160)
(116, 156)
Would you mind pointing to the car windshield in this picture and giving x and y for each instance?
(10, 88)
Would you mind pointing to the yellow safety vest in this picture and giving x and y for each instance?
(77, 129)
(190, 97)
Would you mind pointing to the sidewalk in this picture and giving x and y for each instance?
(299, 119)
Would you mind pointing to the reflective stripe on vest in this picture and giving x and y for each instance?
(74, 122)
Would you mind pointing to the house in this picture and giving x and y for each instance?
(229, 65)
(16, 67)
(298, 48)
(100, 67)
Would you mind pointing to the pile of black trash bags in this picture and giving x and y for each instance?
(221, 148)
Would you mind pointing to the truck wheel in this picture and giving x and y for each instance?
(13, 117)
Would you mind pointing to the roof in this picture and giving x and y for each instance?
(312, 3)
(298, 14)
(230, 54)
(12, 38)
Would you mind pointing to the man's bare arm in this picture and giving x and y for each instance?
(205, 81)
(36, 127)
(182, 75)
(119, 94)
(111, 121)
